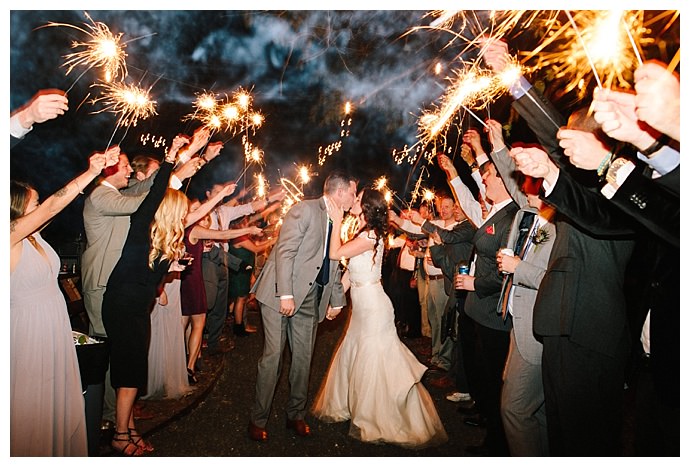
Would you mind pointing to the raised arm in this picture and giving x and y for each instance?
(208, 205)
(26, 225)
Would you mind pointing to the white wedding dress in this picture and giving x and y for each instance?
(374, 379)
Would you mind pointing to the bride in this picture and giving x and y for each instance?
(374, 379)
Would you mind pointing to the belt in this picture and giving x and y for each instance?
(362, 284)
(436, 277)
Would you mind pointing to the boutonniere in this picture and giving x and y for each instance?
(540, 236)
(490, 230)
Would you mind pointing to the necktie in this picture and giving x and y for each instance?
(322, 277)
(523, 240)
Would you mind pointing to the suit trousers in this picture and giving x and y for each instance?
(215, 274)
(300, 332)
(422, 291)
(436, 306)
(584, 396)
(522, 406)
(492, 354)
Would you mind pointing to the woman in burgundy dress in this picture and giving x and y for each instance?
(192, 288)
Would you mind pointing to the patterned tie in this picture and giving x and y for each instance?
(322, 277)
(521, 244)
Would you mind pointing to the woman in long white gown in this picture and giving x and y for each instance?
(374, 380)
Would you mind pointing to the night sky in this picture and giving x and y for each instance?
(301, 68)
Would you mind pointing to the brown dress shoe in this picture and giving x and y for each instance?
(257, 433)
(299, 426)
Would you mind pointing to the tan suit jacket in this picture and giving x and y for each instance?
(295, 261)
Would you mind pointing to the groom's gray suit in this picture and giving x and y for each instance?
(291, 270)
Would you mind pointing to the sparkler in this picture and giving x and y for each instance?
(252, 155)
(101, 49)
(349, 228)
(294, 194)
(131, 102)
(593, 43)
(381, 184)
(261, 185)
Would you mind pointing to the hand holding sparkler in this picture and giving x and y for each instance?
(178, 142)
(535, 163)
(447, 165)
(199, 140)
(415, 217)
(615, 112)
(658, 98)
(495, 53)
(100, 160)
(473, 138)
(212, 151)
(495, 132)
(584, 149)
(45, 105)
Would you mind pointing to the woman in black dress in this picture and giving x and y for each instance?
(154, 241)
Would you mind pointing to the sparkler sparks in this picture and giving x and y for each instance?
(131, 102)
(233, 115)
(102, 49)
(598, 44)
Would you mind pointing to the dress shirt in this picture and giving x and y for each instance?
(469, 205)
(16, 128)
(540, 222)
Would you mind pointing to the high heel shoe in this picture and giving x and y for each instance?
(140, 442)
(191, 376)
(130, 448)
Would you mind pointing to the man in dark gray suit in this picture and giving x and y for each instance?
(484, 287)
(296, 287)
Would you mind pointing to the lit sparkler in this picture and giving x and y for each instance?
(131, 102)
(261, 185)
(102, 49)
(600, 44)
(349, 228)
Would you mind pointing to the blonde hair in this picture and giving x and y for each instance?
(167, 228)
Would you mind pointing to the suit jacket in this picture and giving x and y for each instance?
(530, 271)
(526, 282)
(106, 222)
(653, 205)
(456, 247)
(295, 260)
(581, 295)
(488, 239)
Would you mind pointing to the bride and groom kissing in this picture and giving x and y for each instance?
(374, 379)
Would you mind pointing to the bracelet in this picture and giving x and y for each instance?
(655, 146)
(605, 164)
(81, 192)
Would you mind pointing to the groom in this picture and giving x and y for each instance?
(295, 290)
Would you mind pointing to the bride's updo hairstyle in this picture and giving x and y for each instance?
(375, 212)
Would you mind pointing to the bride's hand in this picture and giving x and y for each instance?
(331, 313)
(335, 212)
